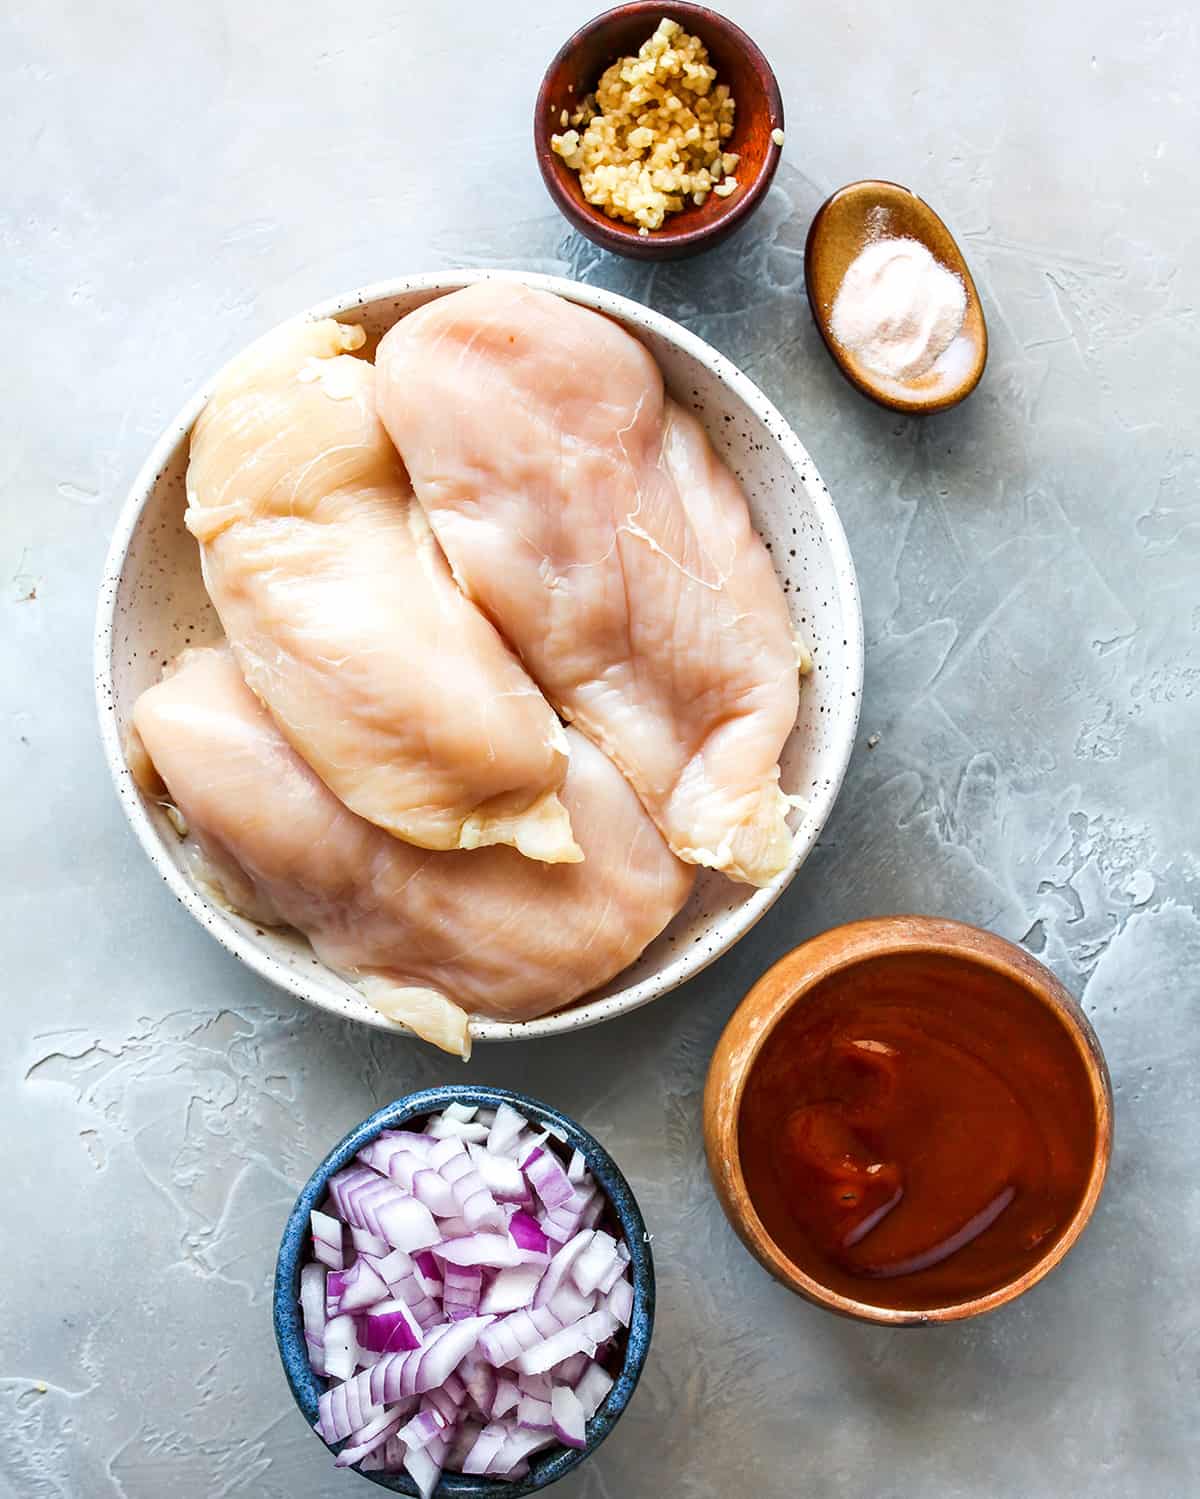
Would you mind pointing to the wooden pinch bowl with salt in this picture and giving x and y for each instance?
(844, 226)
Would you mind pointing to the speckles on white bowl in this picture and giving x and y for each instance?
(152, 604)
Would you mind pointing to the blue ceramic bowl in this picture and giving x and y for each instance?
(546, 1467)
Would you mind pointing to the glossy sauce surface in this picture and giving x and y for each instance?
(916, 1133)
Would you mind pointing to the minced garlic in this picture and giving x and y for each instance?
(653, 131)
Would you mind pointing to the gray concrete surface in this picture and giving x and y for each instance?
(179, 177)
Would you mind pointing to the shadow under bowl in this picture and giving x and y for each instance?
(546, 1467)
(758, 112)
(925, 951)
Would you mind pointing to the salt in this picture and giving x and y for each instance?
(898, 309)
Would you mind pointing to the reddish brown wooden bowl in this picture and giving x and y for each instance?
(575, 72)
(939, 943)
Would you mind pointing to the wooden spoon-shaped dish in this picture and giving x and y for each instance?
(844, 224)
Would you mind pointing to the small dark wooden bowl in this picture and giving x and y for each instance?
(576, 71)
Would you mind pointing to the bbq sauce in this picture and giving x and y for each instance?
(915, 1136)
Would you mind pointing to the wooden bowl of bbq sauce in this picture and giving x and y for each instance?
(908, 1120)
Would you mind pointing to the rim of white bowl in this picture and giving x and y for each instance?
(351, 1004)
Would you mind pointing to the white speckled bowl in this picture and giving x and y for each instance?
(152, 604)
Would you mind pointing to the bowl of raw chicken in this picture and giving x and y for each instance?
(478, 655)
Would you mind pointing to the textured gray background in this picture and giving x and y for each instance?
(177, 178)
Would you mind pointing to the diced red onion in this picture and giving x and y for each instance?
(527, 1234)
(446, 1402)
(487, 1447)
(394, 1159)
(564, 1222)
(484, 1248)
(511, 1335)
(456, 1340)
(619, 1302)
(412, 1139)
(478, 1207)
(346, 1407)
(425, 1309)
(393, 1453)
(568, 1419)
(569, 1304)
(444, 1150)
(422, 1469)
(369, 1243)
(583, 1336)
(448, 1398)
(529, 1140)
(593, 1388)
(454, 1228)
(464, 1439)
(460, 1297)
(360, 1286)
(341, 1348)
(616, 1270)
(327, 1240)
(345, 1185)
(392, 1266)
(506, 1127)
(457, 1130)
(431, 1188)
(537, 1385)
(520, 1443)
(406, 1223)
(440, 1363)
(422, 1429)
(571, 1370)
(593, 1209)
(367, 1201)
(594, 1263)
(547, 1177)
(364, 1442)
(452, 1388)
(335, 1281)
(534, 1412)
(390, 1327)
(411, 1290)
(427, 1367)
(507, 1397)
(560, 1266)
(312, 1313)
(502, 1176)
(480, 1380)
(511, 1288)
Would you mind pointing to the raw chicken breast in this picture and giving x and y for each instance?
(344, 617)
(590, 518)
(431, 936)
